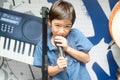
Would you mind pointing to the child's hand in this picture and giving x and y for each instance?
(61, 41)
(62, 63)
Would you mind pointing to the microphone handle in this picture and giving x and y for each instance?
(61, 52)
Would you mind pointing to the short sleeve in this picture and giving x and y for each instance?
(81, 41)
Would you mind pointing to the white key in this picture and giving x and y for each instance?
(2, 42)
(7, 41)
(21, 47)
(12, 44)
(17, 45)
(32, 50)
(27, 46)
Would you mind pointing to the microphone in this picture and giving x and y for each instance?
(61, 52)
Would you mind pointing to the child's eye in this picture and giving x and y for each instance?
(57, 26)
(68, 27)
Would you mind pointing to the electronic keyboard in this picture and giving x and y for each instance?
(19, 34)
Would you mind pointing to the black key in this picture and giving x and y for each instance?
(8, 46)
(15, 45)
(4, 46)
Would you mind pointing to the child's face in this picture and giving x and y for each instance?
(60, 27)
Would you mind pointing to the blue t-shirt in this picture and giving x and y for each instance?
(75, 70)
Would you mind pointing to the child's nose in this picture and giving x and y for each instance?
(62, 31)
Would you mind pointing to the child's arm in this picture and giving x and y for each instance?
(79, 55)
(61, 64)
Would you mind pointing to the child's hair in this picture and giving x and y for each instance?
(118, 72)
(62, 10)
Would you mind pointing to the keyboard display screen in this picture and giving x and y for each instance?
(10, 18)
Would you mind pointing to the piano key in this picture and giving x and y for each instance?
(12, 45)
(26, 52)
(2, 40)
(19, 46)
(4, 45)
(32, 50)
(8, 46)
(29, 50)
(15, 45)
(23, 48)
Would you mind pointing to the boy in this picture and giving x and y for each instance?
(74, 44)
